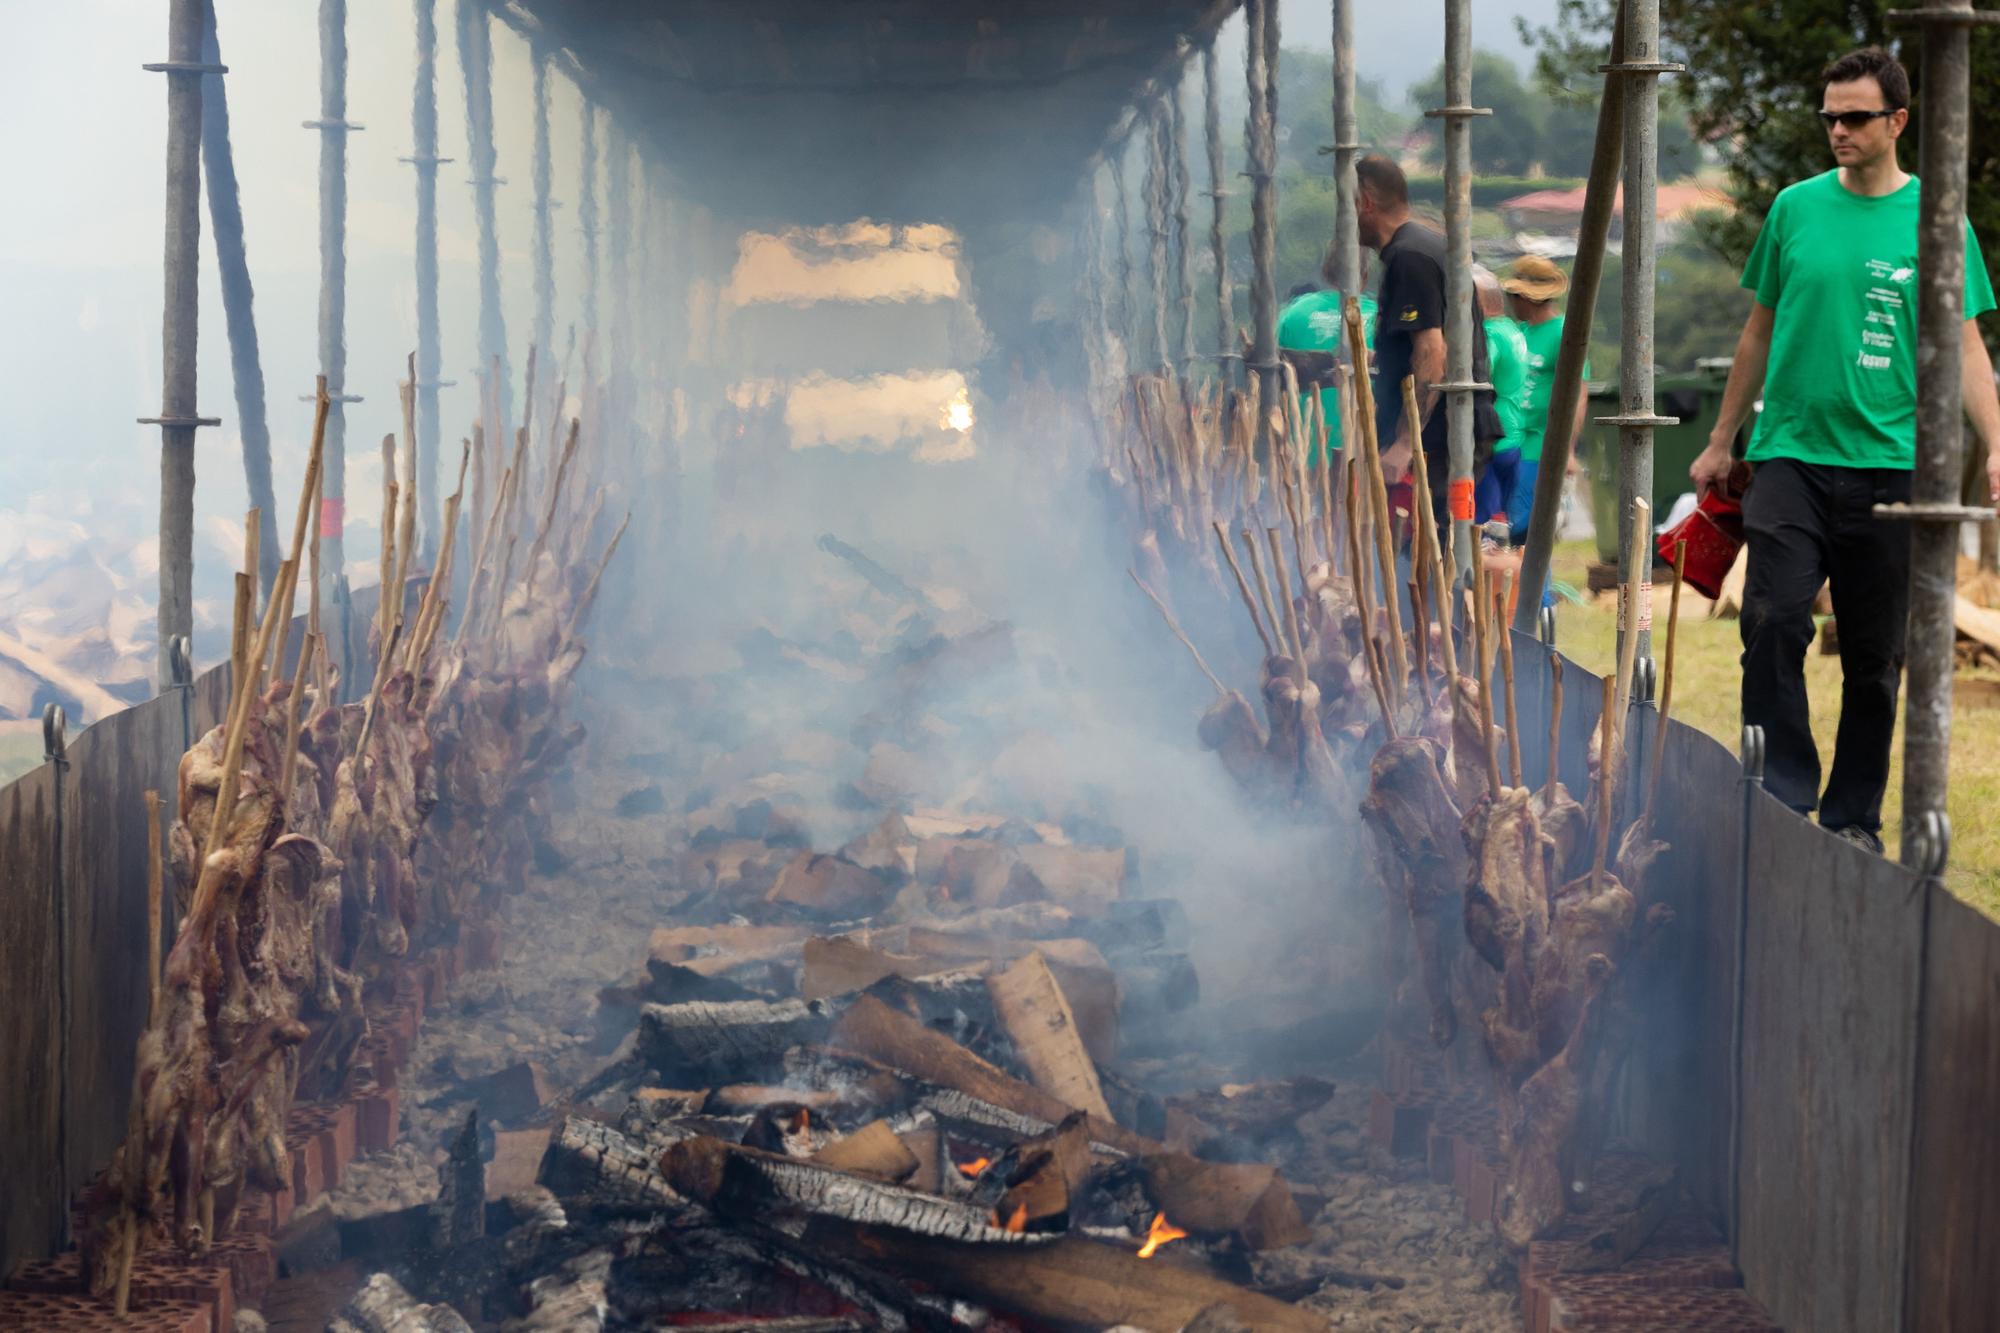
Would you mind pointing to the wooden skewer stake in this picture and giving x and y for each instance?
(1291, 609)
(1666, 683)
(1506, 639)
(1364, 413)
(1264, 589)
(1179, 633)
(1370, 650)
(1426, 525)
(590, 590)
(1482, 611)
(1242, 584)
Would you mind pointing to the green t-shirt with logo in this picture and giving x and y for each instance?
(1839, 269)
(1543, 341)
(1312, 323)
(1507, 355)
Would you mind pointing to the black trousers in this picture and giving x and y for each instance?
(1807, 523)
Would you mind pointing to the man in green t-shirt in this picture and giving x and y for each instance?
(1311, 322)
(1831, 345)
(1532, 286)
(1507, 358)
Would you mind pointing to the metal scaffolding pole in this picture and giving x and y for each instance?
(1261, 62)
(1183, 188)
(182, 308)
(475, 56)
(586, 216)
(1346, 231)
(1640, 73)
(1121, 225)
(1935, 506)
(618, 223)
(545, 257)
(1211, 118)
(333, 127)
(1594, 228)
(1458, 388)
(1156, 228)
(424, 157)
(232, 264)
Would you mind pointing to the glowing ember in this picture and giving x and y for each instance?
(1159, 1234)
(1019, 1220)
(972, 1169)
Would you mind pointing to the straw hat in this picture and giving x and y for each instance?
(1536, 278)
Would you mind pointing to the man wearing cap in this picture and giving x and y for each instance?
(1508, 351)
(1831, 345)
(1532, 286)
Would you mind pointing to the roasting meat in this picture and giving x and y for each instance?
(1409, 806)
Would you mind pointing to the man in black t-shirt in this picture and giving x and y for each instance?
(1409, 333)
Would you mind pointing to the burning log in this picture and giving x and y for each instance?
(709, 1042)
(872, 1029)
(383, 1306)
(1038, 1018)
(1070, 1284)
(1249, 1205)
(873, 1150)
(830, 884)
(597, 1164)
(742, 1182)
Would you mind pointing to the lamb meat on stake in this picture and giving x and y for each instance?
(1410, 806)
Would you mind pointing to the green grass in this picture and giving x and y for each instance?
(1707, 694)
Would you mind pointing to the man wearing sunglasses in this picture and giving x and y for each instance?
(1831, 345)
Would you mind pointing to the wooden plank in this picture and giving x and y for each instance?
(1038, 1018)
(1829, 1014)
(1955, 1205)
(31, 1204)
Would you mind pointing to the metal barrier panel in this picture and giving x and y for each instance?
(1955, 1203)
(1673, 1097)
(1676, 1099)
(111, 767)
(1829, 1011)
(31, 1196)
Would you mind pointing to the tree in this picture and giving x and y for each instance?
(1507, 143)
(1305, 112)
(1754, 83)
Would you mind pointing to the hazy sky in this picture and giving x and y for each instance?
(80, 239)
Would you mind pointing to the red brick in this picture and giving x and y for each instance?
(1399, 1126)
(482, 947)
(1612, 1305)
(64, 1313)
(252, 1265)
(377, 1117)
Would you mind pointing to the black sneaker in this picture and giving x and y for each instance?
(1861, 837)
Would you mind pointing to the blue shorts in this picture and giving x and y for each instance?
(1492, 496)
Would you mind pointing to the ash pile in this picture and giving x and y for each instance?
(917, 1041)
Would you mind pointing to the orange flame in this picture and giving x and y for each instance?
(805, 1119)
(1159, 1234)
(1019, 1220)
(972, 1169)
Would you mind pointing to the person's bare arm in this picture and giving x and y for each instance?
(1982, 403)
(1427, 368)
(1746, 380)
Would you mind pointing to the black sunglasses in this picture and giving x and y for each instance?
(1854, 120)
